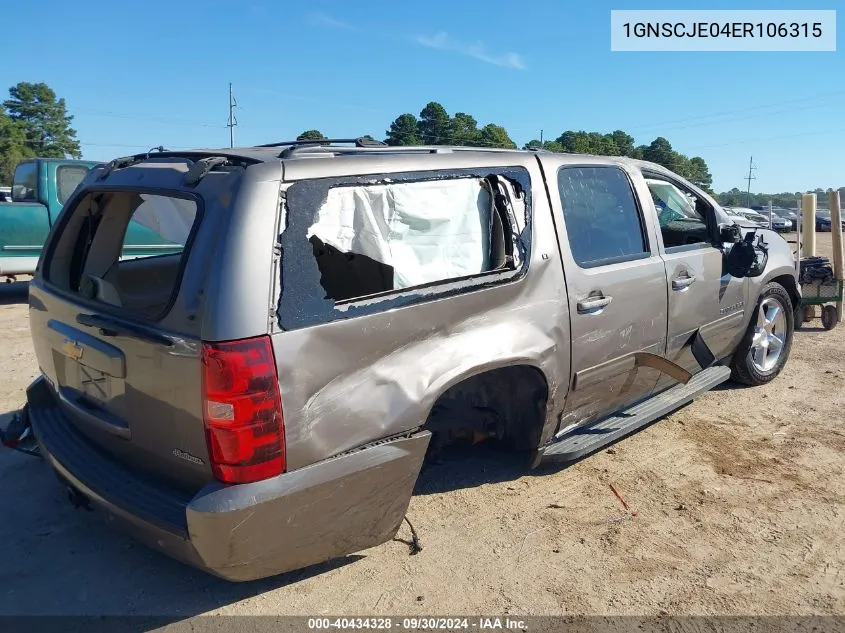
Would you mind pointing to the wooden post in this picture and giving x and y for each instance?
(808, 220)
(836, 235)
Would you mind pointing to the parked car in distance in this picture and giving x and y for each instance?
(740, 219)
(780, 222)
(758, 218)
(781, 225)
(40, 188)
(823, 221)
(787, 214)
(5, 194)
(261, 397)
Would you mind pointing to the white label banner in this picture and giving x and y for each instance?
(727, 30)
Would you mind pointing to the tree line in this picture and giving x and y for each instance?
(785, 200)
(34, 122)
(434, 126)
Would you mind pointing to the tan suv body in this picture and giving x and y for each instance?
(260, 395)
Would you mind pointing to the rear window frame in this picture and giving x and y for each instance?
(62, 168)
(61, 224)
(288, 318)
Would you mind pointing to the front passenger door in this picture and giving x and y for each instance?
(616, 287)
(702, 295)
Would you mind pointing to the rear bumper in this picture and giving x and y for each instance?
(244, 532)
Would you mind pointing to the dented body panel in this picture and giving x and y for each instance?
(380, 365)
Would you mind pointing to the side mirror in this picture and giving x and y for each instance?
(745, 258)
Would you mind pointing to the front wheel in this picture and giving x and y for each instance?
(765, 347)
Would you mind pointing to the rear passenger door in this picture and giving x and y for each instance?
(702, 295)
(616, 287)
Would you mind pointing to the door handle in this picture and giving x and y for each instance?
(591, 305)
(682, 283)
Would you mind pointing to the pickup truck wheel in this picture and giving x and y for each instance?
(829, 317)
(765, 347)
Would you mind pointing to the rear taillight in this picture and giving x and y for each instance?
(242, 410)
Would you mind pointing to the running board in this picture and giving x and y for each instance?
(585, 440)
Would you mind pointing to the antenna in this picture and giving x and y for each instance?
(749, 178)
(233, 121)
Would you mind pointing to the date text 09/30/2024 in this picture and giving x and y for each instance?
(419, 624)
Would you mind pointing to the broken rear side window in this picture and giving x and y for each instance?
(376, 238)
(124, 249)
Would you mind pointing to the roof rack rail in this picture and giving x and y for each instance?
(207, 160)
(361, 141)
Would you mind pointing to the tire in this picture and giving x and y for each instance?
(757, 361)
(829, 317)
(798, 317)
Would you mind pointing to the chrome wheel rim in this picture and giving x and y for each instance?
(769, 335)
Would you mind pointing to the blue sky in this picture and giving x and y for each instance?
(142, 74)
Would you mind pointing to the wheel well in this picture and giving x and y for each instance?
(788, 282)
(508, 403)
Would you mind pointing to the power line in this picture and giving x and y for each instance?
(747, 117)
(140, 117)
(724, 113)
(740, 110)
(686, 120)
(767, 138)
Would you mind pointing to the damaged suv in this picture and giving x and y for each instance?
(259, 394)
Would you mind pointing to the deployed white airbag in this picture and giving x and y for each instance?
(172, 218)
(427, 231)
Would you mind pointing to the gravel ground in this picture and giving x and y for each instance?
(739, 499)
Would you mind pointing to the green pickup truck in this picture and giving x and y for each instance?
(40, 188)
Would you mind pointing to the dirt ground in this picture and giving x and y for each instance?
(740, 499)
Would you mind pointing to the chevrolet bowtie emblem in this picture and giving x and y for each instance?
(73, 349)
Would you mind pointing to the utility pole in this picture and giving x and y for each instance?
(541, 138)
(233, 121)
(749, 178)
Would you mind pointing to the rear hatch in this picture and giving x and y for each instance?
(116, 314)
